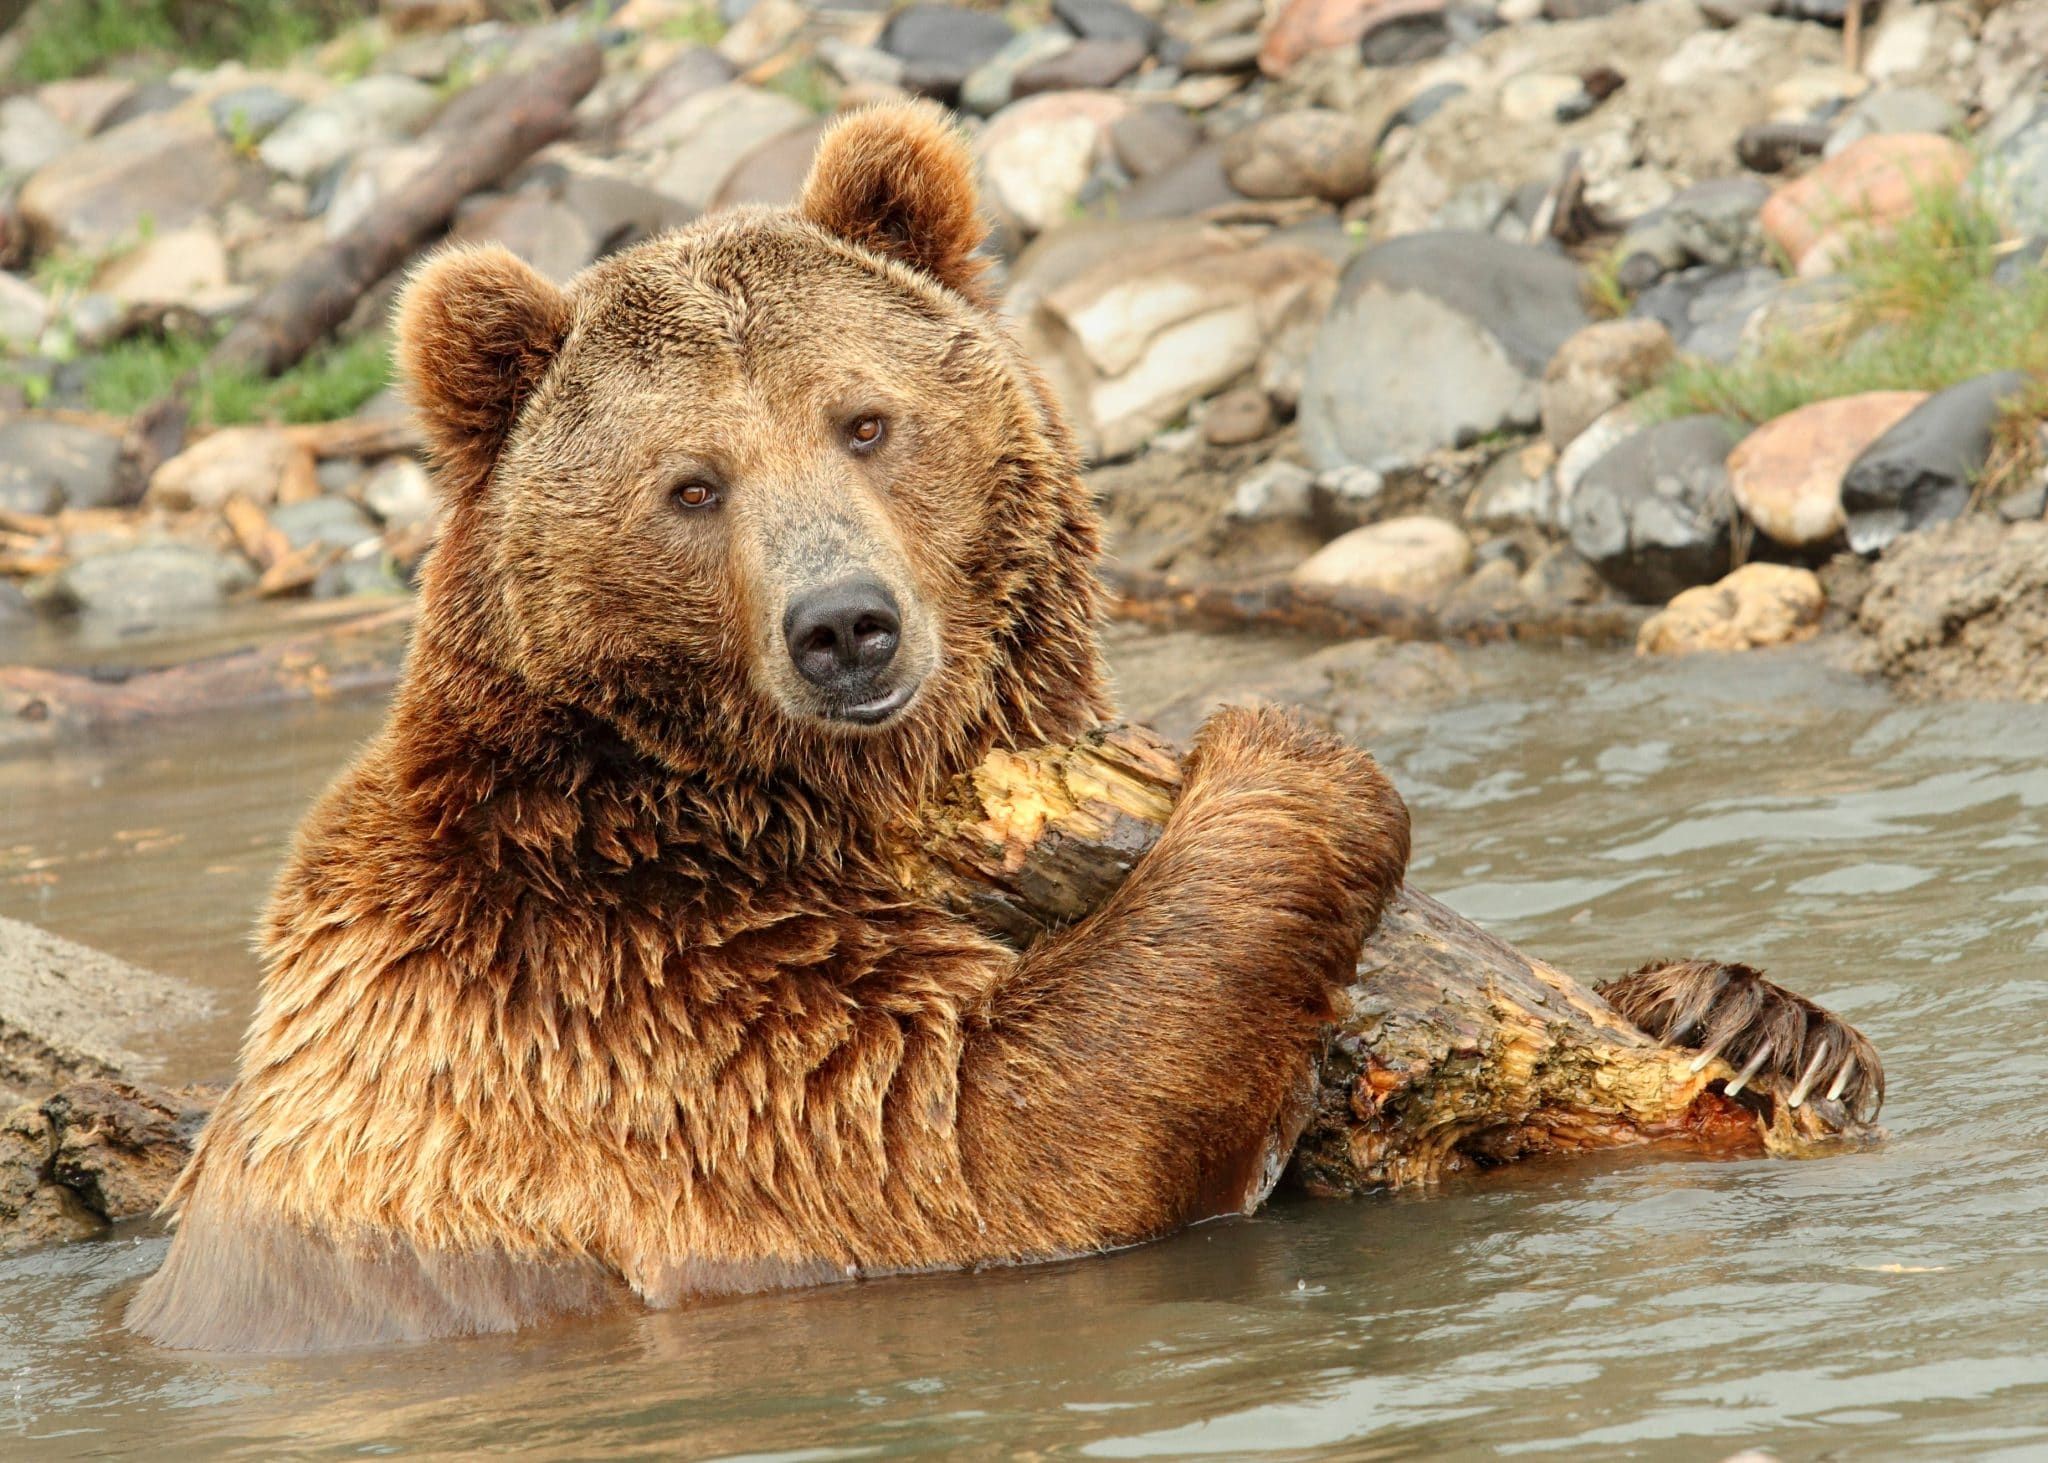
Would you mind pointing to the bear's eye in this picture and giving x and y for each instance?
(694, 495)
(866, 434)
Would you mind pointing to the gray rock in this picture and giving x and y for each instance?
(867, 66)
(620, 211)
(2016, 174)
(1922, 470)
(147, 100)
(1220, 55)
(15, 609)
(1193, 185)
(1706, 309)
(30, 136)
(1276, 489)
(149, 582)
(2019, 266)
(1887, 110)
(1711, 223)
(251, 113)
(1772, 147)
(58, 465)
(170, 171)
(550, 236)
(1653, 517)
(330, 522)
(991, 86)
(695, 70)
(1434, 340)
(316, 137)
(399, 491)
(367, 570)
(1422, 106)
(1106, 20)
(1311, 152)
(2020, 507)
(941, 46)
(1152, 138)
(1087, 65)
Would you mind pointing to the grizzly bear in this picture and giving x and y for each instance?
(593, 978)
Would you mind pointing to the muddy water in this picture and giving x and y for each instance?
(1890, 860)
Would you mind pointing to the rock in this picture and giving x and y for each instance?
(1711, 223)
(774, 172)
(1962, 611)
(703, 139)
(1707, 310)
(991, 86)
(330, 522)
(248, 114)
(1922, 470)
(1301, 27)
(1756, 606)
(694, 71)
(1434, 340)
(170, 171)
(1653, 516)
(1417, 558)
(245, 462)
(399, 491)
(1535, 97)
(24, 311)
(1189, 188)
(1517, 490)
(1153, 138)
(92, 1153)
(1404, 32)
(1311, 153)
(1347, 497)
(548, 235)
(1106, 20)
(84, 103)
(148, 582)
(2014, 175)
(1787, 474)
(1038, 154)
(1599, 368)
(1773, 147)
(1222, 55)
(186, 268)
(1560, 577)
(1888, 111)
(150, 99)
(30, 136)
(941, 46)
(321, 134)
(410, 17)
(1275, 490)
(618, 210)
(47, 465)
(1586, 449)
(1869, 186)
(1237, 417)
(1080, 67)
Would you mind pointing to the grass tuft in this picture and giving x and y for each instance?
(63, 38)
(331, 383)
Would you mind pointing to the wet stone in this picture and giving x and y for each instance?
(330, 522)
(1922, 471)
(58, 465)
(1654, 516)
(149, 581)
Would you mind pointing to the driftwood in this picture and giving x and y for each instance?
(488, 132)
(1459, 1050)
(1275, 603)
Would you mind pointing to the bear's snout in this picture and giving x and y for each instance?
(843, 638)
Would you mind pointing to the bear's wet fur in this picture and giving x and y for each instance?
(593, 978)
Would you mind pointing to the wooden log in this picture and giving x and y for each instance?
(1458, 1051)
(1275, 603)
(487, 132)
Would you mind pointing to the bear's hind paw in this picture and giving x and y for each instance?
(1757, 1027)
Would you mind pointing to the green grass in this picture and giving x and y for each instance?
(1921, 314)
(61, 38)
(806, 84)
(331, 383)
(698, 26)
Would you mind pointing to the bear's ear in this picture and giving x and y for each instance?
(476, 329)
(897, 178)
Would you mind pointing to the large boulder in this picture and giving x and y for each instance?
(1787, 474)
(1654, 515)
(1435, 340)
(1922, 471)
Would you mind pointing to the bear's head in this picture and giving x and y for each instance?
(776, 494)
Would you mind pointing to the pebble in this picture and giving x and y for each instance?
(1237, 417)
(1308, 153)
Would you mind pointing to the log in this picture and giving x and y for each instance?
(1458, 1051)
(486, 133)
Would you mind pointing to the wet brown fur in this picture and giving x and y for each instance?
(593, 977)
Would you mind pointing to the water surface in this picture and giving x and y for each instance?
(1891, 861)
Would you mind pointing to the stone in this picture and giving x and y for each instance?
(617, 209)
(1961, 611)
(548, 235)
(245, 462)
(330, 522)
(1599, 368)
(1274, 490)
(1755, 606)
(1405, 32)
(1222, 55)
(24, 311)
(2014, 175)
(1301, 27)
(1887, 111)
(1106, 20)
(1787, 474)
(1868, 187)
(1710, 223)
(991, 86)
(1347, 497)
(694, 70)
(1237, 417)
(1654, 516)
(942, 46)
(1301, 154)
(1417, 558)
(1039, 153)
(774, 172)
(410, 17)
(1082, 66)
(1606, 434)
(1149, 139)
(248, 114)
(703, 139)
(1534, 97)
(150, 99)
(148, 582)
(321, 134)
(171, 171)
(84, 103)
(399, 491)
(1559, 576)
(1922, 470)
(186, 267)
(1518, 490)
(46, 465)
(30, 136)
(1193, 186)
(1708, 310)
(1434, 340)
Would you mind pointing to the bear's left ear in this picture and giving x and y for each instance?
(897, 178)
(476, 330)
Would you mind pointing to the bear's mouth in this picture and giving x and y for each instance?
(881, 709)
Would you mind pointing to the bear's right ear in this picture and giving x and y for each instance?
(476, 329)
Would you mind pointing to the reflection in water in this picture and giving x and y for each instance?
(1889, 861)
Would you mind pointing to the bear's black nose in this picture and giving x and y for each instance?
(843, 636)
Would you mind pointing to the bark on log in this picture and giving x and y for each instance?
(487, 132)
(1276, 603)
(1459, 1050)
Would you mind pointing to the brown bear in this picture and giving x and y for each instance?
(594, 977)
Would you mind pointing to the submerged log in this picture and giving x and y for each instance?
(1459, 1050)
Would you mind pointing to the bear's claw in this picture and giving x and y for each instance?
(1731, 1013)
